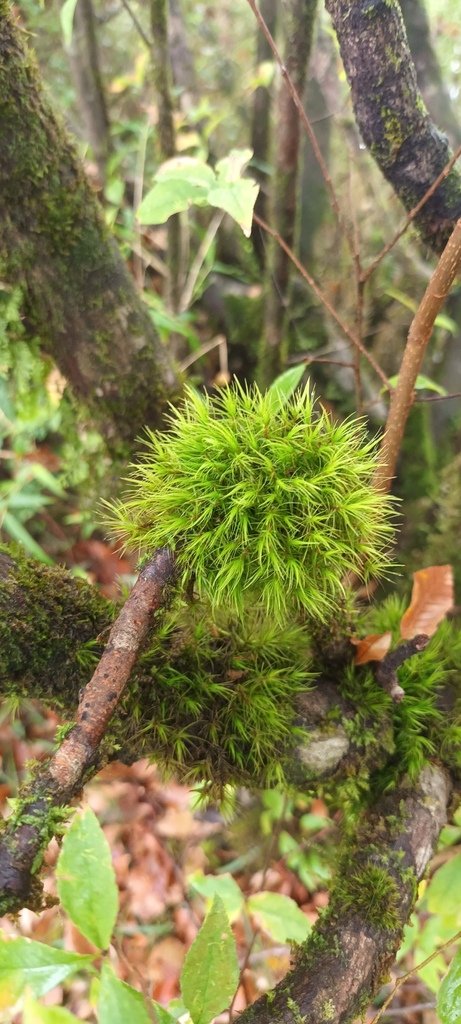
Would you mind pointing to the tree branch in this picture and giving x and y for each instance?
(391, 114)
(353, 945)
(80, 298)
(418, 339)
(24, 835)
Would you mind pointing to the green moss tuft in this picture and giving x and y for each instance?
(371, 892)
(263, 500)
(216, 698)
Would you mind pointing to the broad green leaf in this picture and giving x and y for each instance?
(237, 199)
(86, 880)
(210, 974)
(169, 197)
(231, 166)
(67, 20)
(280, 916)
(120, 1003)
(284, 385)
(35, 1013)
(224, 886)
(186, 168)
(445, 889)
(162, 1015)
(422, 383)
(33, 964)
(449, 995)
(18, 532)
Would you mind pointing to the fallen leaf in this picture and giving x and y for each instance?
(372, 648)
(432, 597)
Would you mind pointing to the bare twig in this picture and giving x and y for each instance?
(137, 24)
(418, 339)
(368, 271)
(404, 977)
(324, 300)
(25, 834)
(386, 670)
(303, 118)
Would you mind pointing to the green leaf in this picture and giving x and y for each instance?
(280, 916)
(86, 880)
(224, 886)
(230, 168)
(40, 967)
(67, 20)
(422, 383)
(188, 169)
(120, 1003)
(445, 888)
(18, 532)
(169, 197)
(287, 382)
(210, 974)
(449, 995)
(237, 199)
(35, 1013)
(162, 1015)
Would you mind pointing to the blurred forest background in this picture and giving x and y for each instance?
(225, 293)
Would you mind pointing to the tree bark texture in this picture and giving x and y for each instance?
(298, 25)
(79, 297)
(429, 76)
(391, 115)
(352, 947)
(86, 74)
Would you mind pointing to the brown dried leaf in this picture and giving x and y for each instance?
(371, 648)
(432, 597)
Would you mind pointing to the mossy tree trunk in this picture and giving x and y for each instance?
(391, 114)
(79, 297)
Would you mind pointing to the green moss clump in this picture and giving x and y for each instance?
(423, 725)
(264, 500)
(372, 892)
(48, 625)
(215, 698)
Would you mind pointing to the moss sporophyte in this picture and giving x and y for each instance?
(264, 499)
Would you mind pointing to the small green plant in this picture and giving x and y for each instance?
(264, 499)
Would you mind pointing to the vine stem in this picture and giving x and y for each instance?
(421, 328)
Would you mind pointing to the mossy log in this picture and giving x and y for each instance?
(79, 297)
(53, 628)
(391, 115)
(353, 946)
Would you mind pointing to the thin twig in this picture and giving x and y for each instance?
(207, 346)
(403, 977)
(304, 121)
(324, 300)
(368, 271)
(147, 42)
(418, 338)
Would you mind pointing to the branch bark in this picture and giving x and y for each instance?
(24, 835)
(79, 297)
(391, 115)
(343, 963)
